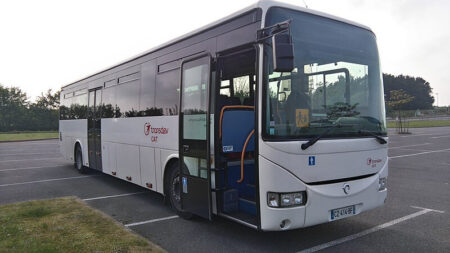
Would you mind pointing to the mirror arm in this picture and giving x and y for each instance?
(270, 31)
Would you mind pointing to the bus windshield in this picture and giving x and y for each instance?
(336, 80)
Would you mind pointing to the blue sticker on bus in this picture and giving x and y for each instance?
(184, 184)
(312, 161)
(227, 148)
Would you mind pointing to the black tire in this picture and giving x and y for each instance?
(79, 161)
(173, 190)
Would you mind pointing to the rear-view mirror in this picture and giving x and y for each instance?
(283, 52)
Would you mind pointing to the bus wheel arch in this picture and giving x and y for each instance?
(78, 158)
(167, 168)
(170, 171)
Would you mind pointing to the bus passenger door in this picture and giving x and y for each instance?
(94, 129)
(194, 144)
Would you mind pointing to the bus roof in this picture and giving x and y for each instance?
(264, 5)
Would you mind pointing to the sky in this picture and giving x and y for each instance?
(47, 44)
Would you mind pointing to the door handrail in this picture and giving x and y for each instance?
(243, 155)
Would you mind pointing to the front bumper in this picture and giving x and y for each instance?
(321, 199)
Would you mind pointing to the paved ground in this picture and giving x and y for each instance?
(419, 176)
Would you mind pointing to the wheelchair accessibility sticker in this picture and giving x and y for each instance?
(311, 160)
(302, 117)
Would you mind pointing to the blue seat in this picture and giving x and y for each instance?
(236, 126)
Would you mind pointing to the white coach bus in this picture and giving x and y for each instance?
(272, 117)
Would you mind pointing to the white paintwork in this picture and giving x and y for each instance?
(321, 199)
(127, 159)
(341, 158)
(73, 131)
(129, 152)
(147, 166)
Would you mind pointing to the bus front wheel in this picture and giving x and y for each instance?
(174, 190)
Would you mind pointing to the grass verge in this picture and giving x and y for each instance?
(25, 136)
(422, 123)
(64, 225)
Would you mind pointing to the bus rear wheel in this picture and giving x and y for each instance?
(79, 161)
(174, 190)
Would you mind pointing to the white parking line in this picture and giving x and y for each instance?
(113, 196)
(421, 153)
(151, 221)
(420, 150)
(443, 136)
(32, 168)
(37, 159)
(24, 144)
(47, 180)
(415, 145)
(414, 135)
(370, 230)
(27, 154)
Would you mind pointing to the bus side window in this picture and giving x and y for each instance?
(168, 92)
(225, 88)
(109, 102)
(241, 87)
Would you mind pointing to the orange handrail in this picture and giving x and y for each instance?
(231, 107)
(243, 155)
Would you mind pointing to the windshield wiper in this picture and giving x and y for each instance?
(380, 139)
(320, 136)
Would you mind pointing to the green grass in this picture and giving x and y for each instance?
(64, 225)
(421, 123)
(23, 136)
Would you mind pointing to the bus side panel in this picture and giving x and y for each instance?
(159, 169)
(73, 131)
(148, 172)
(109, 157)
(128, 163)
(131, 148)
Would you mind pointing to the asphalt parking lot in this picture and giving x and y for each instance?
(416, 217)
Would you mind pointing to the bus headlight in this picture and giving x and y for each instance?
(275, 199)
(382, 181)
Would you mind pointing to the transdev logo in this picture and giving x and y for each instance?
(147, 127)
(373, 162)
(154, 131)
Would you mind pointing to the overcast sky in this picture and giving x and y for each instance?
(47, 44)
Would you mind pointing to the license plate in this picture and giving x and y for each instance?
(342, 212)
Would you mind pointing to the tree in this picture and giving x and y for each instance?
(49, 100)
(417, 87)
(398, 99)
(13, 106)
(17, 114)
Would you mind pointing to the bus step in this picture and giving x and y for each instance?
(219, 189)
(230, 201)
(251, 186)
(218, 169)
(248, 206)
